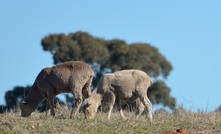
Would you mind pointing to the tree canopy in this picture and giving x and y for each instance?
(114, 55)
(12, 97)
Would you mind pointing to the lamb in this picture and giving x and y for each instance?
(69, 77)
(128, 85)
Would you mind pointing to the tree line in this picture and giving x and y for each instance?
(104, 56)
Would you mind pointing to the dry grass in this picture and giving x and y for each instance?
(195, 123)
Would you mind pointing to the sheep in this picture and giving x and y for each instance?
(128, 85)
(69, 77)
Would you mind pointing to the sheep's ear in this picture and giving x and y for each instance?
(85, 103)
(99, 103)
(24, 102)
(89, 103)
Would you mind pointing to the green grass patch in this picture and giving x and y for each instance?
(2, 132)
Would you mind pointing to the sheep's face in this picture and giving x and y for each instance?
(26, 109)
(89, 109)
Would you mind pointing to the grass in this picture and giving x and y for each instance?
(195, 123)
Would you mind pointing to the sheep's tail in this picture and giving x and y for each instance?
(89, 82)
(151, 81)
(86, 91)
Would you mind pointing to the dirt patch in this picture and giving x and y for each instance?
(177, 131)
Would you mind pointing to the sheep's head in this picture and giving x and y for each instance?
(26, 109)
(90, 108)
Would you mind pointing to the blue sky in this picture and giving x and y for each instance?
(187, 33)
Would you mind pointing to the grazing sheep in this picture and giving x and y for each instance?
(128, 85)
(69, 77)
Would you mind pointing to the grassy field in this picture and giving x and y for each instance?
(194, 123)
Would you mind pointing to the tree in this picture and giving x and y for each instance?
(159, 93)
(218, 109)
(75, 46)
(13, 97)
(2, 108)
(117, 53)
(113, 55)
(62, 47)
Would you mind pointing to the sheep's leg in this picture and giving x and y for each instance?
(78, 103)
(50, 97)
(118, 102)
(111, 104)
(148, 105)
(139, 107)
(47, 107)
(143, 97)
(51, 104)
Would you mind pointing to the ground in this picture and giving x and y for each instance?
(179, 122)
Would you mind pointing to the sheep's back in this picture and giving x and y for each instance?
(69, 74)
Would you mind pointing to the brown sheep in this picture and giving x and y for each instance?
(128, 85)
(69, 77)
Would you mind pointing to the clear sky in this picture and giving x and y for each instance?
(187, 33)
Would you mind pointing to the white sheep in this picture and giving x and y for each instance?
(129, 85)
(69, 77)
